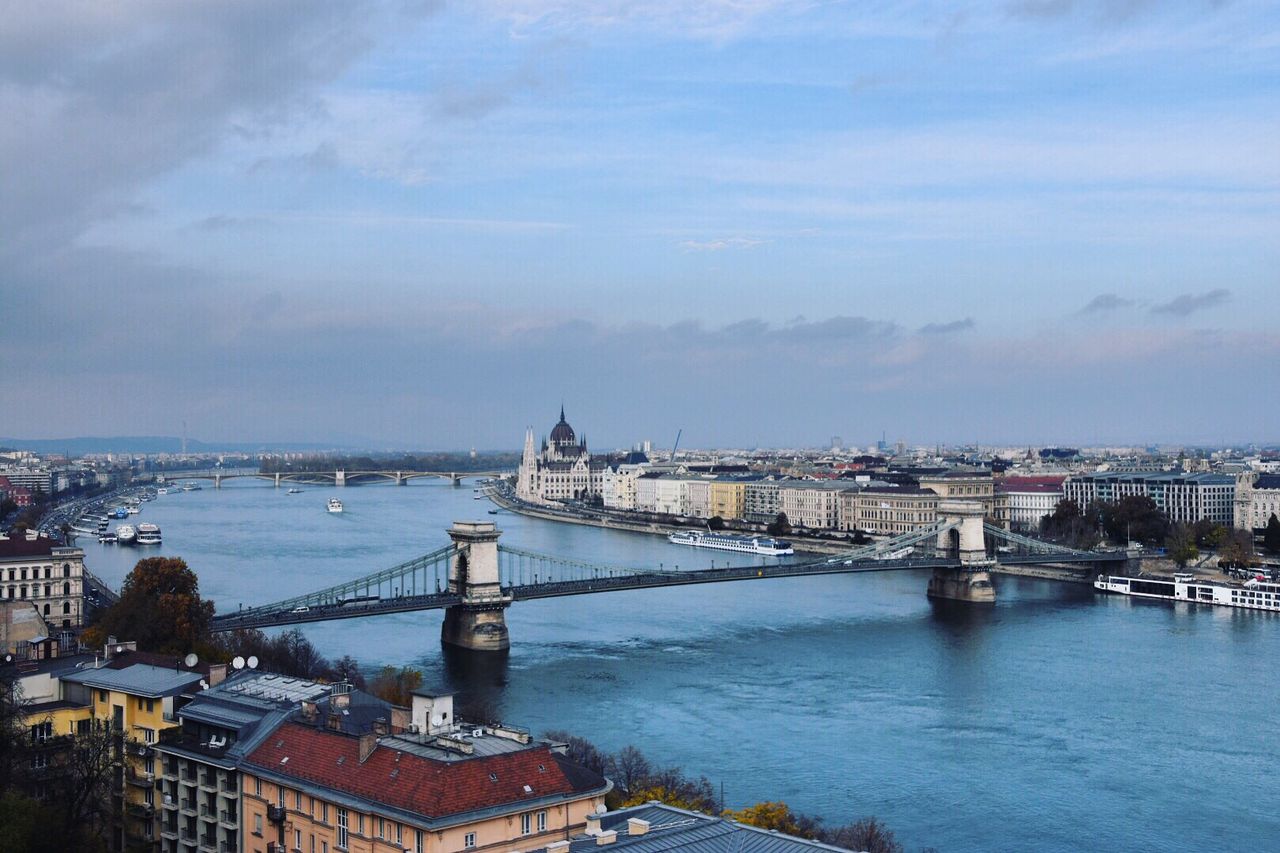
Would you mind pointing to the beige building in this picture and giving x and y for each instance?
(1256, 500)
(49, 575)
(812, 503)
(888, 510)
(697, 497)
(439, 789)
(970, 486)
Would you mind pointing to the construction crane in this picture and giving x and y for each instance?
(676, 446)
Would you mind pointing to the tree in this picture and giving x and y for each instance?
(781, 525)
(770, 815)
(346, 668)
(869, 834)
(580, 750)
(1236, 547)
(629, 768)
(1181, 544)
(160, 607)
(396, 685)
(1271, 537)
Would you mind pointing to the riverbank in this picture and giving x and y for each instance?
(504, 501)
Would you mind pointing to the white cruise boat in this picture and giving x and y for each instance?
(125, 534)
(335, 505)
(148, 534)
(728, 542)
(1253, 595)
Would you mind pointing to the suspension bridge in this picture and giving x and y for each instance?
(332, 478)
(474, 579)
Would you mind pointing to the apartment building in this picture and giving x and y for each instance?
(728, 498)
(1030, 499)
(46, 573)
(1185, 498)
(888, 510)
(813, 503)
(1256, 501)
(442, 786)
(762, 501)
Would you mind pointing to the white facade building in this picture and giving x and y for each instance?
(562, 470)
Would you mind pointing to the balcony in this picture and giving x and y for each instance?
(229, 788)
(187, 835)
(230, 820)
(227, 847)
(170, 803)
(169, 832)
(188, 807)
(275, 814)
(208, 780)
(140, 810)
(209, 840)
(139, 779)
(169, 770)
(208, 812)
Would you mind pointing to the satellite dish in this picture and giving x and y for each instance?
(253, 661)
(119, 649)
(237, 662)
(204, 685)
(191, 659)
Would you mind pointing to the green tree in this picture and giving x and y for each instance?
(1181, 544)
(781, 525)
(160, 607)
(1271, 536)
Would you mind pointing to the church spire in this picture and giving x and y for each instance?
(562, 411)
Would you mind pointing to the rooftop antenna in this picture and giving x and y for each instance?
(184, 437)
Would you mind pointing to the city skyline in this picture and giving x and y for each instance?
(763, 223)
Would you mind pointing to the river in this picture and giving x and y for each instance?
(1056, 720)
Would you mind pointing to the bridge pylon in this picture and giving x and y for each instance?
(965, 541)
(479, 622)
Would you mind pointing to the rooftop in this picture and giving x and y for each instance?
(392, 776)
(670, 828)
(138, 680)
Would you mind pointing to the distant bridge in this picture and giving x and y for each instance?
(336, 478)
(475, 579)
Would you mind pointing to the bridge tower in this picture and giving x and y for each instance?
(479, 622)
(971, 581)
(339, 478)
(277, 479)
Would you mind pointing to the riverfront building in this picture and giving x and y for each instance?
(437, 788)
(1030, 499)
(812, 503)
(970, 486)
(561, 470)
(1185, 498)
(1256, 500)
(49, 575)
(888, 510)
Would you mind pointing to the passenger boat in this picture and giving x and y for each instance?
(294, 492)
(728, 542)
(1252, 595)
(335, 505)
(148, 534)
(120, 512)
(125, 534)
(162, 491)
(107, 538)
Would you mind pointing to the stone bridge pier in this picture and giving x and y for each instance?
(479, 622)
(971, 581)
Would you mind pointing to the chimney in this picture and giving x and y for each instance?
(217, 674)
(368, 743)
(401, 719)
(593, 824)
(607, 837)
(339, 701)
(558, 847)
(636, 826)
(309, 711)
(380, 726)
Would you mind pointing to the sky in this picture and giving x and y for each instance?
(425, 225)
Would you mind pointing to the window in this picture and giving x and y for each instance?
(417, 844)
(469, 840)
(381, 829)
(297, 839)
(297, 801)
(399, 835)
(149, 766)
(360, 824)
(542, 821)
(280, 796)
(257, 787)
(148, 735)
(41, 732)
(526, 823)
(257, 824)
(324, 812)
(342, 829)
(151, 705)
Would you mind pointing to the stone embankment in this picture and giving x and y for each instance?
(505, 501)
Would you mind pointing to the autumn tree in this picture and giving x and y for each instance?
(773, 815)
(1236, 547)
(160, 607)
(396, 685)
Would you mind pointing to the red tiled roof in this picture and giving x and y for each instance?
(1030, 484)
(22, 547)
(434, 789)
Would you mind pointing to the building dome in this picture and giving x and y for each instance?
(562, 434)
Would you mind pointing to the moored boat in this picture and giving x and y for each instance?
(1252, 595)
(126, 534)
(148, 534)
(765, 545)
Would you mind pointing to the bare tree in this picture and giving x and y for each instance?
(869, 834)
(629, 768)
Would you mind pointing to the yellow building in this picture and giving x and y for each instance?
(68, 696)
(728, 499)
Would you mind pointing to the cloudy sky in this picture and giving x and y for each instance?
(424, 225)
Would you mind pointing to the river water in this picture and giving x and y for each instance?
(1056, 720)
